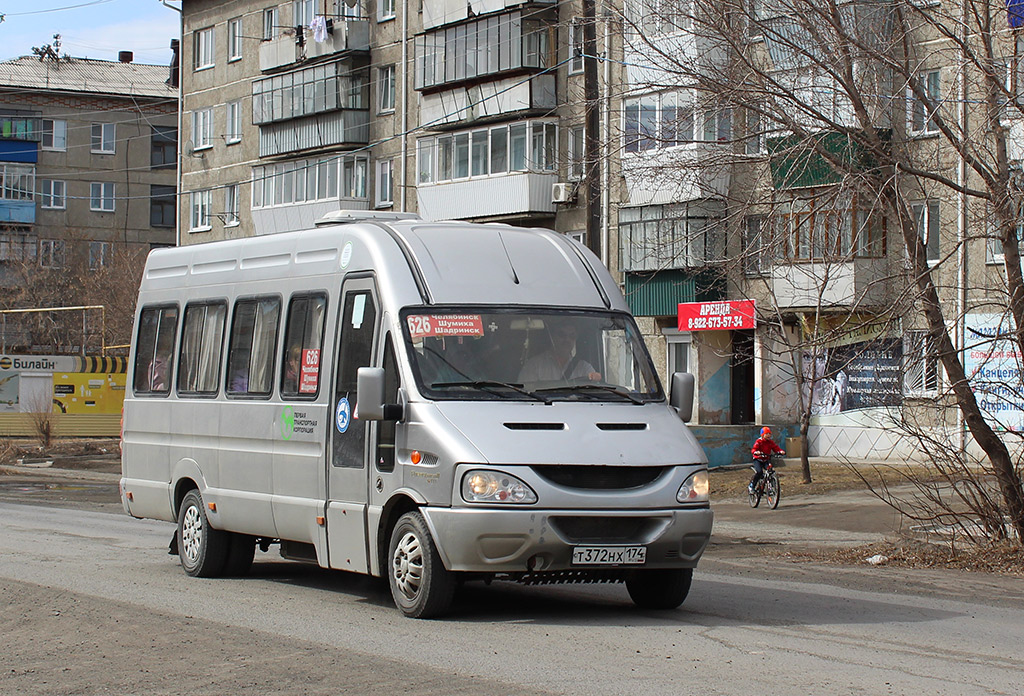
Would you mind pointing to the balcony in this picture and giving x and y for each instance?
(856, 283)
(344, 127)
(693, 171)
(501, 97)
(17, 212)
(511, 194)
(348, 35)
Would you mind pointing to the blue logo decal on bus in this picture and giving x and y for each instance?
(343, 415)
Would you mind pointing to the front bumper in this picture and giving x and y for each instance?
(521, 540)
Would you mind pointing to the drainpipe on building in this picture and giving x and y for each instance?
(405, 105)
(606, 175)
(961, 236)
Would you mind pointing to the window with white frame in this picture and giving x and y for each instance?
(755, 136)
(348, 9)
(99, 255)
(673, 235)
(385, 184)
(577, 152)
(313, 90)
(201, 210)
(17, 244)
(576, 45)
(385, 10)
(271, 25)
(753, 236)
(55, 135)
(305, 181)
(52, 194)
(921, 111)
(101, 197)
(386, 88)
(994, 247)
(202, 48)
(234, 39)
(231, 205)
(517, 147)
(103, 138)
(926, 217)
(234, 123)
(51, 253)
(678, 353)
(828, 225)
(202, 129)
(303, 12)
(653, 17)
(17, 181)
(920, 366)
(667, 119)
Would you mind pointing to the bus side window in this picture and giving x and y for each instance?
(154, 350)
(251, 351)
(202, 338)
(304, 335)
(386, 428)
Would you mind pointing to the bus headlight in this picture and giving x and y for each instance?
(481, 486)
(695, 488)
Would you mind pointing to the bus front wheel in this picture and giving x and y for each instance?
(201, 548)
(659, 589)
(420, 584)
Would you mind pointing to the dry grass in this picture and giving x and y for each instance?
(1004, 558)
(13, 449)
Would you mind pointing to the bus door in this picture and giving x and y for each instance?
(347, 470)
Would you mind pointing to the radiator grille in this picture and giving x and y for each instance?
(600, 478)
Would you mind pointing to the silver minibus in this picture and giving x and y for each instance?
(434, 402)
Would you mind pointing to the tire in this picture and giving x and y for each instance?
(202, 549)
(755, 496)
(772, 490)
(420, 584)
(659, 589)
(241, 549)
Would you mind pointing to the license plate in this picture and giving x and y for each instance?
(609, 555)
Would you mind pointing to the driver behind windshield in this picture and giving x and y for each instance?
(560, 361)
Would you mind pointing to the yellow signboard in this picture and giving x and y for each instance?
(88, 392)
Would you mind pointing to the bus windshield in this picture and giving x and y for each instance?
(460, 353)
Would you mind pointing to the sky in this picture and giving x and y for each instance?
(90, 28)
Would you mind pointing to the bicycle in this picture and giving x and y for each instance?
(766, 486)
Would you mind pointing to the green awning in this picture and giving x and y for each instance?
(657, 293)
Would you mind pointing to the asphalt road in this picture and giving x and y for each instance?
(94, 605)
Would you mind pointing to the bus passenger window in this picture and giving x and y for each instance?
(300, 364)
(202, 337)
(154, 352)
(251, 352)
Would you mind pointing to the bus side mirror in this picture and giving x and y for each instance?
(681, 395)
(370, 388)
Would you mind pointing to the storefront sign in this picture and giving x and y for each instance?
(715, 316)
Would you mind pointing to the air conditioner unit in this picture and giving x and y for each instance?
(563, 192)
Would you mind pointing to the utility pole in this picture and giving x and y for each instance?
(591, 137)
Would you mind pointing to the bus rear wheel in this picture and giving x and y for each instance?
(420, 584)
(201, 548)
(659, 589)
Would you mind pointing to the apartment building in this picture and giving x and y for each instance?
(88, 155)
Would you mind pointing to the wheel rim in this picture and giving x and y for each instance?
(407, 565)
(191, 533)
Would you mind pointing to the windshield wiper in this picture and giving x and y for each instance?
(489, 384)
(611, 389)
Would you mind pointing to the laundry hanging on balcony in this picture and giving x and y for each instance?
(319, 28)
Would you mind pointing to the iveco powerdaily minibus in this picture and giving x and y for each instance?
(427, 401)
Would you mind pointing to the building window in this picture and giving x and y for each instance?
(17, 244)
(234, 39)
(52, 194)
(201, 210)
(385, 192)
(755, 141)
(55, 135)
(528, 146)
(577, 153)
(922, 112)
(926, 216)
(103, 138)
(920, 366)
(231, 205)
(234, 122)
(305, 181)
(678, 235)
(752, 245)
(202, 129)
(385, 10)
(202, 48)
(303, 12)
(162, 206)
(576, 45)
(655, 17)
(678, 353)
(99, 255)
(353, 177)
(270, 23)
(829, 226)
(386, 88)
(101, 197)
(163, 147)
(17, 182)
(51, 253)
(309, 91)
(489, 45)
(668, 119)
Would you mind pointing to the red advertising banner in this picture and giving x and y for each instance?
(712, 316)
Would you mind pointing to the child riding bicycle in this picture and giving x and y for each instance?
(764, 447)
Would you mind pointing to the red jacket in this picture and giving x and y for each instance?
(765, 447)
